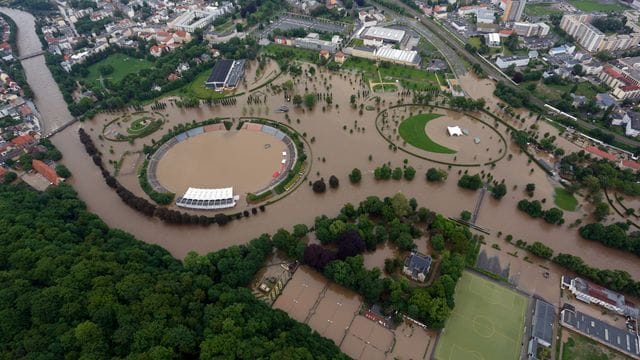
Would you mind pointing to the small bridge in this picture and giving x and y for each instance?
(32, 55)
(476, 211)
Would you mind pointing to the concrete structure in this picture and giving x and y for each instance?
(531, 29)
(416, 266)
(562, 49)
(631, 123)
(505, 62)
(513, 9)
(485, 16)
(379, 36)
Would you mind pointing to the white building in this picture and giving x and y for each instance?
(492, 40)
(378, 36)
(192, 20)
(505, 62)
(531, 29)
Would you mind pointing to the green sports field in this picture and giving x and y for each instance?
(486, 324)
(412, 130)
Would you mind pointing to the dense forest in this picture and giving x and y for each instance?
(73, 288)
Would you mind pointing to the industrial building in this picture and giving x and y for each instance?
(313, 42)
(226, 75)
(379, 36)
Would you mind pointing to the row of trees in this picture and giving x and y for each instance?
(147, 208)
(385, 172)
(614, 235)
(534, 209)
(73, 287)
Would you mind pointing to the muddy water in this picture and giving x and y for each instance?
(342, 150)
(244, 160)
(48, 98)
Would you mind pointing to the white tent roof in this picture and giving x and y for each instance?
(454, 130)
(209, 194)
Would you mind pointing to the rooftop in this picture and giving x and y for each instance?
(385, 33)
(418, 263)
(543, 322)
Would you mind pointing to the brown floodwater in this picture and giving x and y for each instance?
(342, 150)
(245, 160)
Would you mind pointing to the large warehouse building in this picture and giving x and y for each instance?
(378, 36)
(226, 75)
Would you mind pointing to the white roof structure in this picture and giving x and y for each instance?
(208, 194)
(454, 130)
(385, 33)
(407, 56)
(208, 199)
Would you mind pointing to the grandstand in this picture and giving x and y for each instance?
(208, 199)
(226, 75)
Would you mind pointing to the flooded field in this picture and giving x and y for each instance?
(244, 160)
(333, 311)
(343, 139)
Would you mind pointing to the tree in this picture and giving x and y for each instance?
(499, 191)
(105, 70)
(530, 188)
(409, 173)
(62, 171)
(471, 182)
(300, 230)
(601, 211)
(434, 175)
(297, 100)
(553, 216)
(355, 176)
(465, 215)
(309, 100)
(437, 241)
(350, 243)
(539, 249)
(400, 205)
(319, 186)
(334, 182)
(577, 70)
(9, 177)
(396, 174)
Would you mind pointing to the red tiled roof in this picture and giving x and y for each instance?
(611, 72)
(631, 164)
(22, 140)
(46, 171)
(603, 154)
(3, 171)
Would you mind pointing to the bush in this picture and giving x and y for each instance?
(10, 177)
(465, 215)
(409, 173)
(499, 191)
(334, 182)
(434, 175)
(62, 171)
(355, 176)
(397, 173)
(437, 241)
(319, 186)
(540, 249)
(383, 173)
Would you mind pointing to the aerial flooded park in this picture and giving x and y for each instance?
(396, 206)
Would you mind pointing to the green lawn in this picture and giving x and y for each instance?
(486, 323)
(412, 130)
(598, 5)
(550, 92)
(578, 347)
(123, 65)
(565, 200)
(540, 10)
(409, 77)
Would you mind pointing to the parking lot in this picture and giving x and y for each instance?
(288, 22)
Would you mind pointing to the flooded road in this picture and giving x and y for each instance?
(47, 95)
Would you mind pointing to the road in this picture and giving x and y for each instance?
(454, 51)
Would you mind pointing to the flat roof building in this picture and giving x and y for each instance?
(207, 199)
(378, 36)
(403, 57)
(226, 75)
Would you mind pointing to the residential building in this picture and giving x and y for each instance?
(339, 57)
(513, 9)
(562, 49)
(505, 62)
(47, 171)
(416, 266)
(630, 121)
(594, 40)
(623, 76)
(531, 29)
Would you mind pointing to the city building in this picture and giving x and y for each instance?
(226, 75)
(313, 42)
(594, 40)
(591, 293)
(402, 57)
(631, 123)
(193, 20)
(47, 171)
(416, 266)
(542, 321)
(562, 49)
(513, 9)
(379, 36)
(505, 62)
(623, 76)
(531, 29)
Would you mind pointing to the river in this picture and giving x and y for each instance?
(343, 151)
(47, 95)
